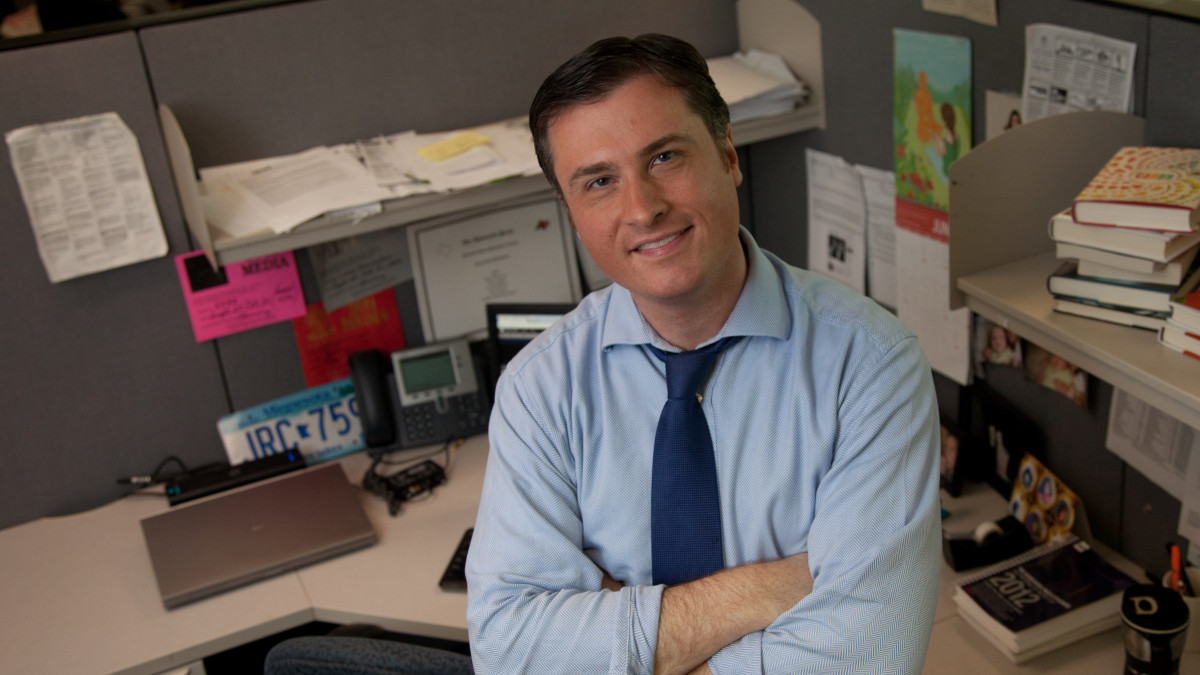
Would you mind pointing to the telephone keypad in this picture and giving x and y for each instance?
(422, 424)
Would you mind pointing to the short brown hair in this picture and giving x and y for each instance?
(607, 64)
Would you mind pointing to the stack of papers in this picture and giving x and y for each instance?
(458, 160)
(279, 193)
(756, 84)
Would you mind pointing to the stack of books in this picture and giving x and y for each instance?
(1044, 599)
(1129, 242)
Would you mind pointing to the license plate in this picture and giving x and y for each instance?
(321, 422)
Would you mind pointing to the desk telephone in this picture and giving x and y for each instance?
(419, 396)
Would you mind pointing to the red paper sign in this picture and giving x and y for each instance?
(326, 340)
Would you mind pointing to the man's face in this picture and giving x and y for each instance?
(652, 196)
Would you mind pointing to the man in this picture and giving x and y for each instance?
(821, 415)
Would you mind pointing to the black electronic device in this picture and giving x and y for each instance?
(990, 543)
(455, 576)
(218, 479)
(411, 483)
(419, 396)
(511, 326)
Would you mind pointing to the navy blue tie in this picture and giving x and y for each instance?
(685, 509)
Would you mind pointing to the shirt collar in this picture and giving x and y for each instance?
(760, 310)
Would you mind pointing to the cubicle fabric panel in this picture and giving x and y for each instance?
(101, 375)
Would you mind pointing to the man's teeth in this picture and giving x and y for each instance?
(657, 244)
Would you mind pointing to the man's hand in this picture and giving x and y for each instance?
(700, 617)
(610, 584)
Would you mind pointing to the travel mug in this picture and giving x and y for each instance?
(1154, 621)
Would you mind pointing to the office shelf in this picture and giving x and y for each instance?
(461, 203)
(1001, 198)
(1015, 296)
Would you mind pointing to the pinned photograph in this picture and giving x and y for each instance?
(1054, 372)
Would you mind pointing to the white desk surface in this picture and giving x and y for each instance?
(79, 595)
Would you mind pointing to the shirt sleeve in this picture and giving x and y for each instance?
(535, 602)
(875, 540)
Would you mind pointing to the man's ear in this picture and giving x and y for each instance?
(730, 155)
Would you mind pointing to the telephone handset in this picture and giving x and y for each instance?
(419, 396)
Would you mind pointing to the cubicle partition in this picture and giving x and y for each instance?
(100, 376)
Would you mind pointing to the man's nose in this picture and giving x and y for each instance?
(644, 202)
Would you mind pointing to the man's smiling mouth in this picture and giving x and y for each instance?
(660, 243)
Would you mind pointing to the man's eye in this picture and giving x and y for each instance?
(664, 156)
(600, 182)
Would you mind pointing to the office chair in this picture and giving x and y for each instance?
(347, 652)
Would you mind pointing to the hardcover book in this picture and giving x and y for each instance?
(1171, 272)
(1122, 316)
(1066, 283)
(1180, 339)
(1156, 246)
(1144, 187)
(1053, 594)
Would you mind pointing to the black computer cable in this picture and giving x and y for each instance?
(416, 481)
(160, 475)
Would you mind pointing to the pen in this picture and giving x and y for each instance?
(1177, 578)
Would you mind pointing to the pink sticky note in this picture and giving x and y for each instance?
(239, 296)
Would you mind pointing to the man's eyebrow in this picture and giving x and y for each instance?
(585, 172)
(651, 148)
(654, 146)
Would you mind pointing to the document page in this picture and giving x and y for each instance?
(467, 158)
(279, 193)
(87, 193)
(1068, 70)
(356, 267)
(1151, 441)
(879, 190)
(837, 243)
(522, 254)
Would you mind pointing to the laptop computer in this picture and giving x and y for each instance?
(250, 533)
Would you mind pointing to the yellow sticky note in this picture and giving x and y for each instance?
(453, 146)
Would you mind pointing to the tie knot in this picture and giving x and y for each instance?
(686, 370)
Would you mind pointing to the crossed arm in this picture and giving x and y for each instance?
(700, 617)
(536, 575)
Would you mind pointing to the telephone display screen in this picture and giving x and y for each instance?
(431, 371)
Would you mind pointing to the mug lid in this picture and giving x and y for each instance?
(1154, 609)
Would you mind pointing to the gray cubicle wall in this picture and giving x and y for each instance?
(101, 376)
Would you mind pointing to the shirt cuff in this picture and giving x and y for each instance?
(641, 608)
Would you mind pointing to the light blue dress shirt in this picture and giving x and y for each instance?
(825, 430)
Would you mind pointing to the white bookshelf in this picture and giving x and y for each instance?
(1002, 195)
